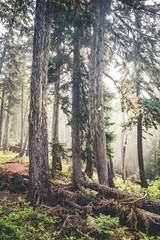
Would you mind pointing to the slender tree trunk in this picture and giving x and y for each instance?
(92, 90)
(3, 128)
(18, 122)
(89, 155)
(123, 160)
(22, 122)
(4, 53)
(27, 151)
(122, 142)
(110, 177)
(76, 145)
(7, 129)
(111, 167)
(99, 135)
(26, 112)
(24, 145)
(1, 113)
(139, 141)
(47, 25)
(56, 162)
(55, 117)
(38, 137)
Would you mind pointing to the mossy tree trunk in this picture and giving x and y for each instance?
(38, 137)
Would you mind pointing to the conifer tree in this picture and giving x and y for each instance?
(38, 140)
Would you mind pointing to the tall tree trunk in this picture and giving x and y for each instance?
(3, 91)
(99, 135)
(18, 122)
(47, 25)
(56, 162)
(76, 146)
(22, 122)
(38, 137)
(7, 128)
(1, 113)
(3, 127)
(139, 140)
(92, 88)
(4, 51)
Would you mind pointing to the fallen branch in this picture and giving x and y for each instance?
(135, 200)
(147, 204)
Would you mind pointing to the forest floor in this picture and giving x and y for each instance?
(72, 215)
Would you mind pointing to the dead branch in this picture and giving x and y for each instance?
(135, 199)
(147, 204)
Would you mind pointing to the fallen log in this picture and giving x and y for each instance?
(129, 214)
(133, 218)
(147, 203)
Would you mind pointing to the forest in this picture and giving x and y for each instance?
(79, 119)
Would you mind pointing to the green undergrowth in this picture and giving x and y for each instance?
(9, 156)
(19, 221)
(66, 175)
(153, 189)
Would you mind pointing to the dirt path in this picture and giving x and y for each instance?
(16, 167)
(22, 169)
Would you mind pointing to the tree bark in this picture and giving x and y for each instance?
(38, 137)
(76, 146)
(56, 160)
(7, 129)
(89, 155)
(1, 113)
(123, 160)
(112, 167)
(24, 146)
(100, 153)
(139, 141)
(47, 26)
(22, 122)
(92, 90)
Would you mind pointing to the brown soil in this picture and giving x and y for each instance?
(11, 196)
(7, 191)
(16, 167)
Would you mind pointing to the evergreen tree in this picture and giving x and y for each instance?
(38, 141)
